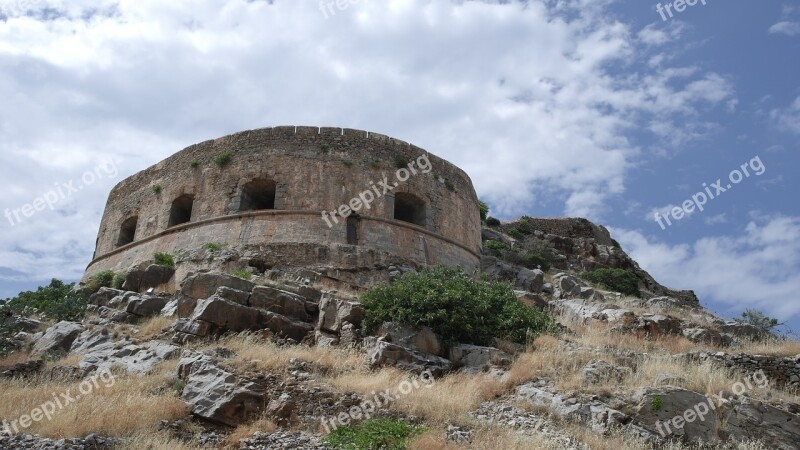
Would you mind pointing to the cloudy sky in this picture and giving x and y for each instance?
(604, 109)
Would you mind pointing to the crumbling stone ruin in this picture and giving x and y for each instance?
(274, 197)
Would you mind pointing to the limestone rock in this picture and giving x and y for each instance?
(227, 315)
(146, 305)
(146, 276)
(477, 358)
(134, 358)
(280, 302)
(388, 354)
(704, 336)
(90, 339)
(421, 339)
(216, 394)
(205, 284)
(333, 312)
(59, 337)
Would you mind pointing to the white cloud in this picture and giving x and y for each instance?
(716, 219)
(520, 95)
(788, 118)
(785, 27)
(756, 269)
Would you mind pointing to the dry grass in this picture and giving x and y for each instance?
(598, 335)
(254, 352)
(156, 441)
(119, 407)
(771, 348)
(446, 400)
(152, 327)
(245, 431)
(485, 438)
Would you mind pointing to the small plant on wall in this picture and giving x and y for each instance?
(223, 159)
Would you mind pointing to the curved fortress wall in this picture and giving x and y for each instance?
(270, 196)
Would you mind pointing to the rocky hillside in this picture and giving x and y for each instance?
(264, 358)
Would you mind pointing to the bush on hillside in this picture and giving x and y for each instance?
(56, 301)
(758, 319)
(373, 434)
(618, 280)
(458, 308)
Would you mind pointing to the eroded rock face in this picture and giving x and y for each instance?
(743, 331)
(59, 337)
(134, 358)
(475, 357)
(204, 285)
(280, 302)
(216, 394)
(692, 417)
(334, 312)
(422, 340)
(146, 276)
(596, 414)
(704, 336)
(90, 339)
(388, 354)
(226, 314)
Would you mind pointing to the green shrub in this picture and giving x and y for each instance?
(347, 163)
(119, 280)
(400, 161)
(495, 245)
(449, 185)
(484, 208)
(492, 222)
(7, 344)
(324, 148)
(242, 273)
(616, 280)
(758, 319)
(656, 403)
(157, 189)
(456, 307)
(373, 434)
(223, 159)
(616, 244)
(538, 253)
(194, 164)
(164, 260)
(516, 234)
(213, 246)
(99, 280)
(56, 301)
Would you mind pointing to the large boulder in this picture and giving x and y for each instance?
(103, 296)
(205, 284)
(743, 331)
(388, 354)
(215, 394)
(475, 357)
(90, 339)
(146, 305)
(286, 327)
(59, 337)
(692, 417)
(334, 312)
(580, 311)
(280, 302)
(599, 416)
(22, 324)
(421, 339)
(657, 325)
(146, 276)
(134, 358)
(704, 336)
(227, 315)
(566, 286)
(530, 279)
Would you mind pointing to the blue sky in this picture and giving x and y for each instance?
(592, 108)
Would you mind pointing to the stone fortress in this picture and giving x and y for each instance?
(266, 198)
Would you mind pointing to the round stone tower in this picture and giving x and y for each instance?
(343, 203)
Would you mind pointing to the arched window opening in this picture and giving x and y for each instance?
(257, 195)
(181, 210)
(409, 208)
(127, 231)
